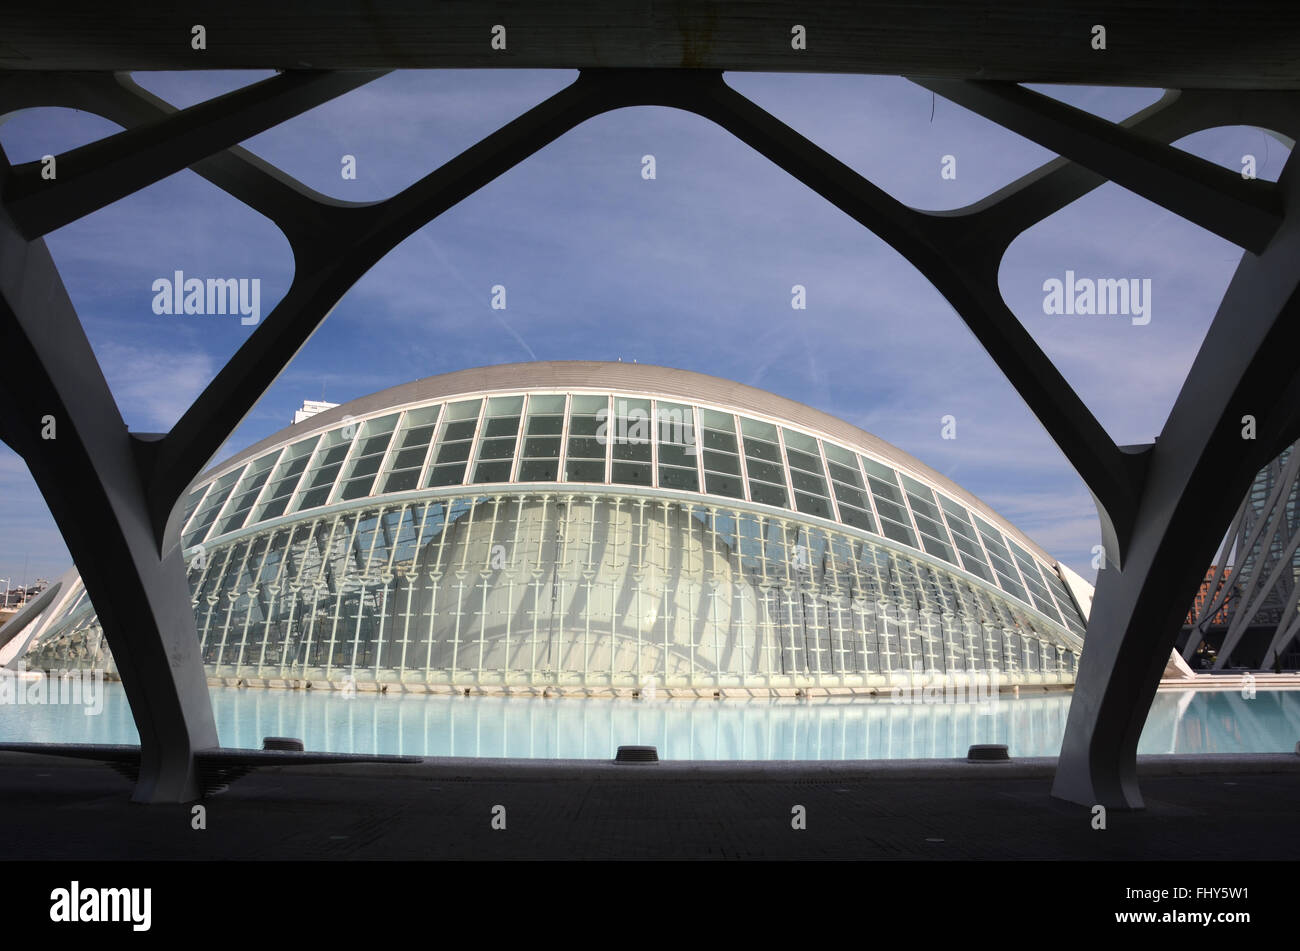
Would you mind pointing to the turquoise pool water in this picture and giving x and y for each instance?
(572, 728)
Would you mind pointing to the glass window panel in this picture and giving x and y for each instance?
(807, 482)
(586, 447)
(409, 458)
(453, 452)
(247, 492)
(415, 434)
(801, 443)
(588, 437)
(766, 471)
(841, 456)
(846, 496)
(584, 470)
(803, 461)
(757, 449)
(849, 477)
(632, 451)
(897, 531)
(631, 473)
(453, 474)
(505, 406)
(767, 494)
(545, 425)
(546, 403)
(497, 449)
(917, 488)
(542, 448)
(464, 410)
(938, 549)
(713, 419)
(758, 429)
(885, 490)
(889, 510)
(402, 481)
(858, 518)
(504, 426)
(930, 527)
(584, 426)
(671, 477)
(498, 471)
(723, 462)
(539, 470)
(813, 505)
(455, 432)
(727, 485)
(672, 455)
(211, 507)
(882, 472)
(712, 439)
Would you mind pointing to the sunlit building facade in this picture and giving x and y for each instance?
(601, 527)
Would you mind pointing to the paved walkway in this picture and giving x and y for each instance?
(1241, 807)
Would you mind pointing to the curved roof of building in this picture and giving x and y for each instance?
(599, 376)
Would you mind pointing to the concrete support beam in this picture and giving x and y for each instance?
(1200, 468)
(98, 174)
(1244, 212)
(57, 412)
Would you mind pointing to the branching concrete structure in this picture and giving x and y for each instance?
(1163, 507)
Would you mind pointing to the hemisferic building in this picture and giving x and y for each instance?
(596, 528)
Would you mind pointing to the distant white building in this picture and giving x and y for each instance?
(310, 408)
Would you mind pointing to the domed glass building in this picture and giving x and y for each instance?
(600, 527)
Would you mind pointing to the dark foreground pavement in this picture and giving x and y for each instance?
(1240, 807)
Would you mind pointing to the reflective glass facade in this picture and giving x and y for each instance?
(596, 539)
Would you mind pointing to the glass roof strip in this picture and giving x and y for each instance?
(249, 491)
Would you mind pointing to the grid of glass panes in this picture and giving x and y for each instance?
(964, 537)
(894, 522)
(850, 494)
(192, 502)
(359, 471)
(631, 457)
(1038, 590)
(721, 454)
(212, 503)
(631, 435)
(455, 442)
(411, 449)
(246, 492)
(314, 594)
(677, 446)
(543, 438)
(763, 462)
(496, 448)
(1008, 577)
(1073, 620)
(584, 452)
(284, 480)
(326, 463)
(929, 520)
(811, 495)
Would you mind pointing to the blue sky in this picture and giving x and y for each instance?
(692, 269)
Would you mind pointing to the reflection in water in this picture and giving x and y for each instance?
(570, 728)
